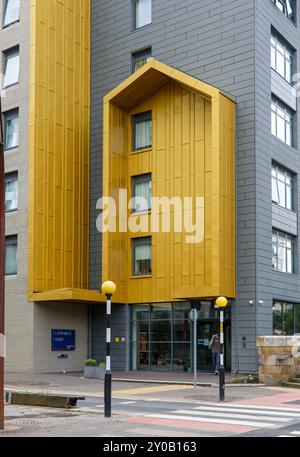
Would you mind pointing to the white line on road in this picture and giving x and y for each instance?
(247, 410)
(229, 415)
(295, 433)
(265, 408)
(127, 402)
(214, 420)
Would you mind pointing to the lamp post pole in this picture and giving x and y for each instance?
(2, 267)
(107, 380)
(108, 289)
(221, 302)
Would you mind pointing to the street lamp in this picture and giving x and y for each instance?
(108, 288)
(221, 303)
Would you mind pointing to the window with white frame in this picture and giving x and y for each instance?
(11, 67)
(11, 129)
(11, 192)
(283, 258)
(140, 58)
(142, 192)
(142, 256)
(282, 187)
(142, 13)
(288, 8)
(142, 131)
(11, 248)
(281, 57)
(282, 121)
(11, 12)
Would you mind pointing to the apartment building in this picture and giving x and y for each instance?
(178, 99)
(246, 49)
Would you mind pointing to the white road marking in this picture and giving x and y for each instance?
(247, 410)
(127, 402)
(295, 433)
(265, 408)
(211, 420)
(230, 415)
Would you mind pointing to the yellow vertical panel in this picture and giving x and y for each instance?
(59, 144)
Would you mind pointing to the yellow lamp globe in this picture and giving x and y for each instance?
(221, 302)
(108, 288)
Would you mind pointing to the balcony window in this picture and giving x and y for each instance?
(283, 252)
(142, 13)
(142, 192)
(142, 256)
(281, 57)
(11, 246)
(142, 131)
(282, 187)
(140, 58)
(11, 67)
(11, 192)
(11, 129)
(288, 8)
(11, 12)
(282, 121)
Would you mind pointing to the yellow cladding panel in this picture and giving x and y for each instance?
(192, 155)
(59, 145)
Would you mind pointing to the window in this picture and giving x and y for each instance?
(140, 58)
(282, 187)
(286, 318)
(288, 8)
(142, 192)
(11, 255)
(11, 129)
(11, 12)
(283, 252)
(142, 258)
(142, 131)
(281, 121)
(11, 192)
(142, 13)
(11, 67)
(281, 57)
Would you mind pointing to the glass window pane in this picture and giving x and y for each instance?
(142, 256)
(288, 319)
(161, 311)
(273, 123)
(143, 134)
(161, 330)
(11, 257)
(181, 356)
(297, 318)
(289, 261)
(281, 259)
(280, 128)
(280, 66)
(142, 192)
(275, 193)
(11, 132)
(181, 330)
(273, 58)
(12, 68)
(181, 311)
(277, 319)
(289, 138)
(161, 356)
(143, 12)
(281, 193)
(12, 12)
(11, 194)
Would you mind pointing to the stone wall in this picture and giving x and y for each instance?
(279, 358)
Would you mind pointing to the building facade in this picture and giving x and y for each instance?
(102, 95)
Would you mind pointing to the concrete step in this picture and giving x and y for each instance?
(295, 385)
(295, 380)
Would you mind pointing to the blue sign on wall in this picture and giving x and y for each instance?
(63, 340)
